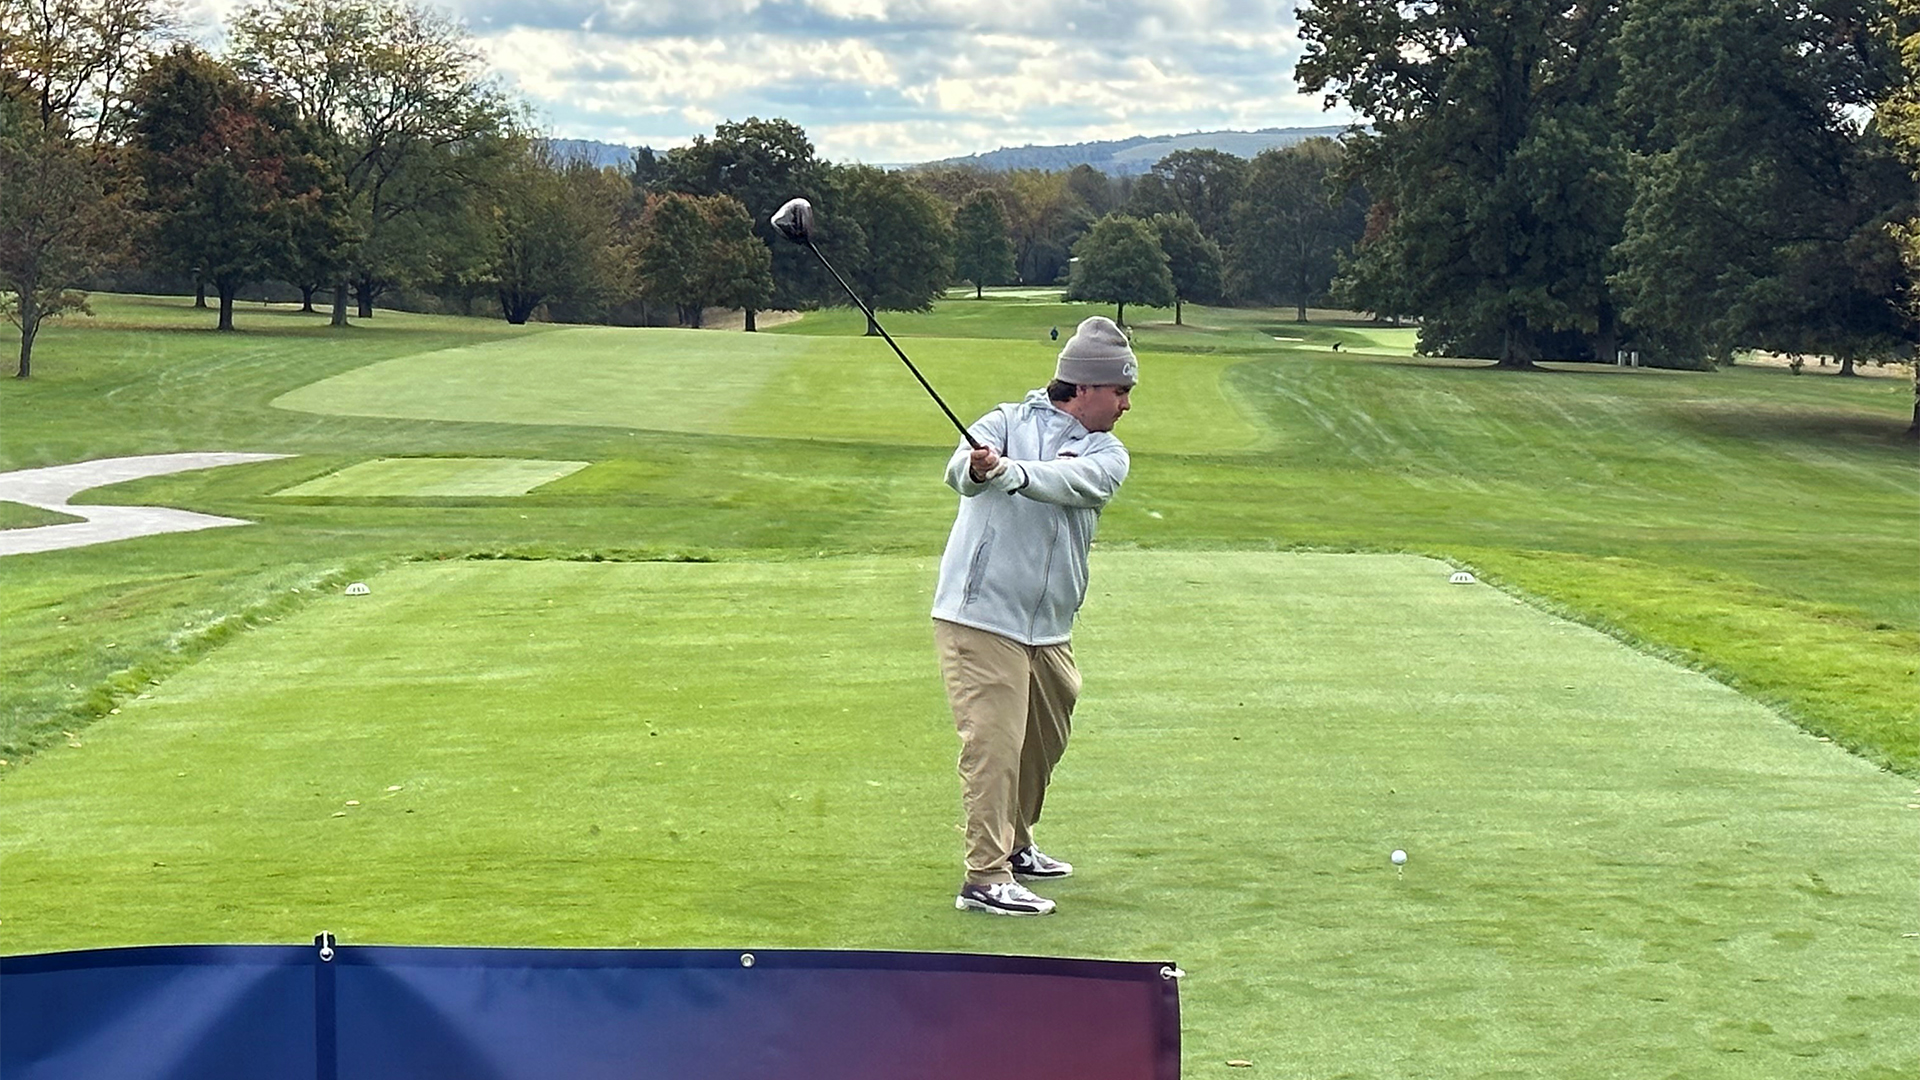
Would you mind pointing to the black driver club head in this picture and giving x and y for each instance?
(795, 220)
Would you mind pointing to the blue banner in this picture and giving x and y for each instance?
(392, 1013)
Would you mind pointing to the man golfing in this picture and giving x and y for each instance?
(1033, 477)
(1012, 579)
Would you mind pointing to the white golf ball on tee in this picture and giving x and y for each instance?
(1399, 857)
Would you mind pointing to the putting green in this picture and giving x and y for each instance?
(850, 389)
(437, 477)
(1618, 867)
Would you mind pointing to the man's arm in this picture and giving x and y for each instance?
(967, 469)
(1088, 481)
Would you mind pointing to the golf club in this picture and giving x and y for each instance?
(795, 222)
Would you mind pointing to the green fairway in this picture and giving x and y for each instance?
(753, 754)
(447, 477)
(1656, 777)
(842, 388)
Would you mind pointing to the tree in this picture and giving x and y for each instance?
(1761, 213)
(647, 171)
(1492, 142)
(400, 96)
(982, 251)
(893, 243)
(1044, 218)
(227, 175)
(738, 272)
(761, 164)
(65, 203)
(674, 239)
(1120, 262)
(71, 62)
(1094, 189)
(953, 183)
(1149, 197)
(1899, 117)
(553, 230)
(323, 234)
(1193, 260)
(1291, 224)
(697, 252)
(1203, 184)
(62, 214)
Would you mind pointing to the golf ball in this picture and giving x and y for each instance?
(1399, 857)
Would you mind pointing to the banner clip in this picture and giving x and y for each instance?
(1172, 971)
(325, 944)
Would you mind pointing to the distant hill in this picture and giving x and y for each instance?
(598, 153)
(1119, 157)
(1138, 154)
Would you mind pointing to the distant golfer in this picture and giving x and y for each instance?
(1013, 577)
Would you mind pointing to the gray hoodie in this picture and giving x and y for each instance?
(1016, 561)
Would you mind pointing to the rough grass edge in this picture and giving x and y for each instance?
(1784, 708)
(179, 651)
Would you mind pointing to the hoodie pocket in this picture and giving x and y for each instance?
(977, 568)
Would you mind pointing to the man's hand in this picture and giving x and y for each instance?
(985, 464)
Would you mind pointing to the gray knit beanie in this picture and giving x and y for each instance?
(1098, 355)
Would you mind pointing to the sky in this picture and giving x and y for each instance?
(889, 81)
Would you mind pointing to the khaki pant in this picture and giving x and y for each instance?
(1013, 707)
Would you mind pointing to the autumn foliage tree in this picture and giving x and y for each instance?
(65, 197)
(230, 179)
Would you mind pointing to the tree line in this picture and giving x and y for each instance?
(1681, 178)
(358, 151)
(1678, 178)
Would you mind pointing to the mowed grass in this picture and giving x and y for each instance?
(424, 477)
(1618, 868)
(21, 516)
(843, 388)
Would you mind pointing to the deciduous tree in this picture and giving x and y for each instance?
(552, 233)
(228, 176)
(739, 268)
(1044, 219)
(63, 213)
(1194, 261)
(894, 244)
(1760, 219)
(696, 252)
(1293, 221)
(65, 201)
(401, 97)
(72, 62)
(982, 251)
(1204, 184)
(761, 164)
(1492, 141)
(1120, 262)
(674, 239)
(1899, 117)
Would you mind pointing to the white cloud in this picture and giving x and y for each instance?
(893, 80)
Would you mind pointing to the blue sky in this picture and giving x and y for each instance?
(892, 81)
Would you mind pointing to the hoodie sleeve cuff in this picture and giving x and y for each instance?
(1010, 479)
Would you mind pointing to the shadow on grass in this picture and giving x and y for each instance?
(1800, 425)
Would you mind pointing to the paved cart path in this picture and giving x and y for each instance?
(51, 487)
